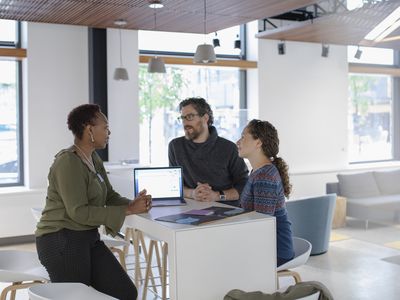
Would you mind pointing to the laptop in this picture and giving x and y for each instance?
(164, 184)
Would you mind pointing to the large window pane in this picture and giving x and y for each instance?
(187, 42)
(160, 95)
(8, 31)
(370, 117)
(9, 124)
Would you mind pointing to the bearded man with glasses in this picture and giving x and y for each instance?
(212, 168)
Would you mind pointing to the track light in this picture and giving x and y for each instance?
(325, 50)
(358, 53)
(216, 41)
(237, 44)
(281, 48)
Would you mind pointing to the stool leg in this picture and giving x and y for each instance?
(146, 256)
(121, 256)
(164, 271)
(135, 237)
(128, 236)
(148, 269)
(158, 257)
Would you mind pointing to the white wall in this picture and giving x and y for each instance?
(305, 96)
(55, 81)
(123, 96)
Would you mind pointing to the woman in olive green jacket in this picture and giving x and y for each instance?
(79, 200)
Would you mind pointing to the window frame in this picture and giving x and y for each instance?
(19, 95)
(394, 72)
(242, 56)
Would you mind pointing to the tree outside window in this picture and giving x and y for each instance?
(370, 117)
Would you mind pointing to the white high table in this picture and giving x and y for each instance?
(208, 260)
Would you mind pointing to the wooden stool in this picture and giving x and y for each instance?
(162, 267)
(138, 241)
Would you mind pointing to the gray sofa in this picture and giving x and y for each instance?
(369, 194)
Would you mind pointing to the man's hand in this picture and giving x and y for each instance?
(203, 192)
(141, 204)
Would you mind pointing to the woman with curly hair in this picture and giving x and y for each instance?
(268, 183)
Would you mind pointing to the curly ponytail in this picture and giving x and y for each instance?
(283, 169)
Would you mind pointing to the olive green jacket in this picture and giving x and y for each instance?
(79, 198)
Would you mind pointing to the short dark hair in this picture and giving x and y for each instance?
(81, 116)
(201, 106)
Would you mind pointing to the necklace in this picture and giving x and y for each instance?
(85, 158)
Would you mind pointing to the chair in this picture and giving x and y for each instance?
(66, 291)
(302, 250)
(110, 242)
(22, 269)
(312, 220)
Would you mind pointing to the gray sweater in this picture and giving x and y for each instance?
(215, 162)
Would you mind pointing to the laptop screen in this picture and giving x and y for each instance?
(160, 183)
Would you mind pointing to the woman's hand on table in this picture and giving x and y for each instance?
(141, 204)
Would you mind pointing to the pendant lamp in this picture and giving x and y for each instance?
(156, 64)
(120, 73)
(205, 53)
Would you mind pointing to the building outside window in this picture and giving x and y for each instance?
(160, 94)
(11, 162)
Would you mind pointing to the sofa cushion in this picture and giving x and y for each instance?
(386, 201)
(388, 182)
(358, 185)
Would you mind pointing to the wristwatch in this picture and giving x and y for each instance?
(222, 196)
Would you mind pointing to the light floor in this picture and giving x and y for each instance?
(360, 264)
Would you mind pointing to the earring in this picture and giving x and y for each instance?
(91, 137)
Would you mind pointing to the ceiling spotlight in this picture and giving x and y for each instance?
(237, 44)
(281, 48)
(325, 50)
(358, 53)
(155, 4)
(120, 22)
(216, 41)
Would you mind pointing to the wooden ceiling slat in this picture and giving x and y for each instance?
(177, 15)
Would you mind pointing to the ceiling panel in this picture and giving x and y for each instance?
(177, 15)
(344, 28)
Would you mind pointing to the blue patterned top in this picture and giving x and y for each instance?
(264, 193)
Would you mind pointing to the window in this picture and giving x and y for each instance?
(186, 43)
(160, 94)
(8, 33)
(11, 163)
(370, 117)
(159, 97)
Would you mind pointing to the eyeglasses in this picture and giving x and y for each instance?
(188, 117)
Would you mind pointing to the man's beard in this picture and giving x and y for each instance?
(194, 134)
